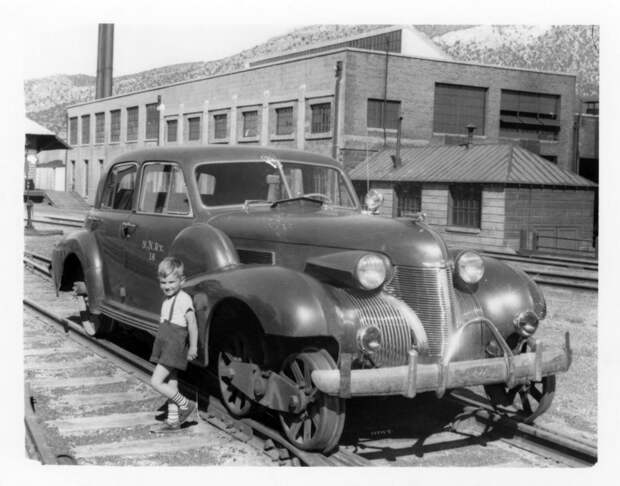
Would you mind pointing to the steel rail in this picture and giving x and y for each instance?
(533, 438)
(215, 412)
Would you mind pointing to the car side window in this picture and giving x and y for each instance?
(119, 187)
(163, 190)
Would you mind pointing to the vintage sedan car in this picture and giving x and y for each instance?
(303, 299)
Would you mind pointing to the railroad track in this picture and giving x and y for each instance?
(483, 427)
(575, 273)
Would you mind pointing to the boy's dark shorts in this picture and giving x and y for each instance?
(171, 346)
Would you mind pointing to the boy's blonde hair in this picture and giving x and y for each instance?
(171, 265)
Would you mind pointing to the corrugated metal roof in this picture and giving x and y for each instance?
(487, 163)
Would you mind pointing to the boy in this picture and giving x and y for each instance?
(177, 322)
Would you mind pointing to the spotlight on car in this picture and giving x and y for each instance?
(373, 200)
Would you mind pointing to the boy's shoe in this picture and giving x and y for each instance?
(184, 413)
(165, 428)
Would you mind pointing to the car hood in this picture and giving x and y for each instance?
(406, 242)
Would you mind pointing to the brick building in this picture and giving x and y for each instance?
(302, 100)
(484, 195)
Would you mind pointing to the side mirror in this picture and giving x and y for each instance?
(373, 201)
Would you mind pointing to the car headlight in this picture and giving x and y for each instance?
(469, 267)
(369, 339)
(526, 323)
(371, 271)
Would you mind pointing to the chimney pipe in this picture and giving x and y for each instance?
(396, 161)
(105, 61)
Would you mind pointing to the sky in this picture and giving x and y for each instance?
(72, 48)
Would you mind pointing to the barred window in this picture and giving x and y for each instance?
(465, 205)
(152, 122)
(172, 127)
(220, 125)
(73, 130)
(409, 199)
(250, 123)
(321, 115)
(99, 127)
(374, 113)
(132, 123)
(115, 126)
(85, 129)
(193, 128)
(529, 115)
(458, 106)
(284, 120)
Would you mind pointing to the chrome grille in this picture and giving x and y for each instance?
(427, 292)
(376, 310)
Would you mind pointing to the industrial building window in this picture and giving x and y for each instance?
(458, 106)
(465, 201)
(321, 116)
(132, 123)
(100, 169)
(152, 122)
(591, 107)
(193, 128)
(172, 127)
(220, 125)
(409, 199)
(99, 127)
(85, 129)
(374, 114)
(115, 126)
(284, 120)
(73, 130)
(529, 115)
(250, 123)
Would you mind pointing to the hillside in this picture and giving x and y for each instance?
(557, 48)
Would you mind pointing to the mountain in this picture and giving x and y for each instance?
(549, 48)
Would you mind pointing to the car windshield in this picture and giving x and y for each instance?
(230, 183)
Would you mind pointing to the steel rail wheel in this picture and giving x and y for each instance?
(235, 347)
(96, 325)
(526, 402)
(319, 425)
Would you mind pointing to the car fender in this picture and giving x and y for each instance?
(203, 249)
(82, 246)
(286, 302)
(503, 293)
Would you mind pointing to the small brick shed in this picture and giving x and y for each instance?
(483, 196)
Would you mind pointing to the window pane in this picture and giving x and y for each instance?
(73, 130)
(193, 128)
(250, 123)
(85, 129)
(458, 106)
(465, 202)
(374, 113)
(119, 187)
(529, 115)
(409, 199)
(99, 128)
(284, 120)
(163, 190)
(132, 123)
(321, 114)
(172, 127)
(152, 121)
(220, 128)
(115, 126)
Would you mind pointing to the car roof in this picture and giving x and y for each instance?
(192, 155)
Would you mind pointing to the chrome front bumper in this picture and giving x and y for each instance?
(415, 378)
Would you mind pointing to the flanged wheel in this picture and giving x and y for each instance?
(235, 347)
(319, 425)
(96, 325)
(525, 402)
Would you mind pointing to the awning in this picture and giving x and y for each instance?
(40, 138)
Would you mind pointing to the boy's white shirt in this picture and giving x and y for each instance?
(182, 305)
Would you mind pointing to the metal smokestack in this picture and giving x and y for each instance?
(105, 60)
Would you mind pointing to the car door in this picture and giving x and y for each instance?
(107, 223)
(162, 211)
